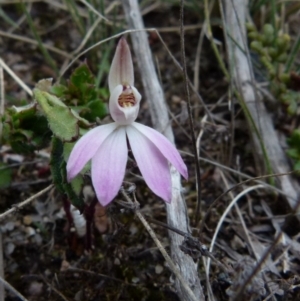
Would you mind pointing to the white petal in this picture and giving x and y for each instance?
(121, 70)
(86, 147)
(167, 149)
(153, 165)
(108, 166)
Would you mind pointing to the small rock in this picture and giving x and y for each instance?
(35, 288)
(9, 248)
(117, 261)
(29, 231)
(27, 220)
(158, 269)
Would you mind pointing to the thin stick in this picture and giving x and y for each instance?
(12, 289)
(87, 36)
(15, 77)
(189, 107)
(24, 203)
(176, 211)
(221, 220)
(159, 245)
(90, 7)
(54, 289)
(34, 42)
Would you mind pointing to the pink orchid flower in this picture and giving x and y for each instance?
(106, 145)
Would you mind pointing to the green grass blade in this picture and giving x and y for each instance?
(44, 51)
(293, 54)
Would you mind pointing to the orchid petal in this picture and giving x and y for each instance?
(108, 166)
(86, 147)
(123, 115)
(121, 70)
(153, 165)
(167, 149)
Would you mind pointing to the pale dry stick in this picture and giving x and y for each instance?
(34, 42)
(19, 22)
(190, 115)
(150, 8)
(12, 289)
(203, 120)
(162, 250)
(221, 221)
(16, 78)
(81, 12)
(176, 210)
(54, 289)
(54, 27)
(93, 27)
(90, 7)
(18, 1)
(239, 59)
(197, 59)
(177, 28)
(88, 272)
(24, 203)
(236, 207)
(87, 36)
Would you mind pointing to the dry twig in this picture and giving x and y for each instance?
(12, 289)
(238, 54)
(24, 203)
(176, 211)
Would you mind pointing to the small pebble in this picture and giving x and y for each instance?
(158, 269)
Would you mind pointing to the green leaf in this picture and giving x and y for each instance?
(58, 90)
(56, 162)
(293, 153)
(294, 140)
(25, 129)
(82, 75)
(58, 170)
(93, 110)
(82, 86)
(5, 176)
(62, 121)
(77, 185)
(297, 166)
(75, 197)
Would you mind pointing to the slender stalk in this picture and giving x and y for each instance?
(24, 203)
(12, 289)
(189, 107)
